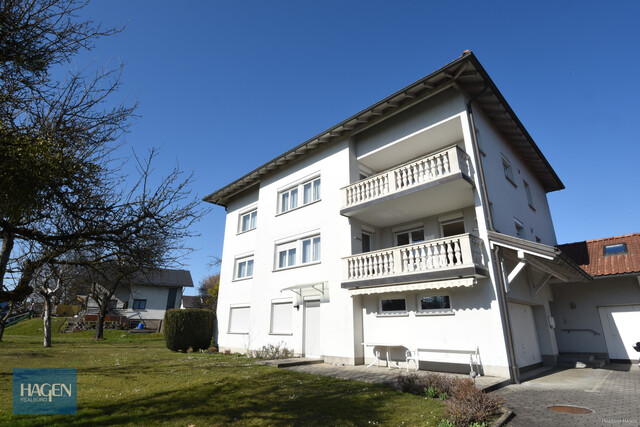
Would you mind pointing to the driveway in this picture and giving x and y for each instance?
(612, 393)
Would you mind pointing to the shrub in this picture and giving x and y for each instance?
(420, 384)
(470, 405)
(189, 328)
(270, 351)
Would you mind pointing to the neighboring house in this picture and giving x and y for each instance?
(601, 317)
(147, 297)
(421, 222)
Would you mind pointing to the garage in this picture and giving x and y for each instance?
(525, 335)
(621, 328)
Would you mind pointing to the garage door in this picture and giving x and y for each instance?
(621, 327)
(525, 336)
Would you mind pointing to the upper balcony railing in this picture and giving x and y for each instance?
(464, 250)
(425, 169)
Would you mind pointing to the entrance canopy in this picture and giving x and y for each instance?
(466, 282)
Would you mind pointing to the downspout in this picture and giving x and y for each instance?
(514, 372)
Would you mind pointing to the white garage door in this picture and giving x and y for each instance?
(621, 326)
(525, 336)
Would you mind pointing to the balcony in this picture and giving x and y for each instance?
(448, 258)
(380, 199)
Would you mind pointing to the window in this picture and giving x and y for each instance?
(113, 304)
(281, 317)
(412, 236)
(310, 191)
(302, 251)
(437, 303)
(527, 191)
(171, 298)
(508, 171)
(396, 305)
(452, 227)
(248, 220)
(244, 268)
(239, 320)
(617, 249)
(519, 228)
(139, 304)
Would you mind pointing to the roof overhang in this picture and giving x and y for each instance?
(549, 260)
(465, 74)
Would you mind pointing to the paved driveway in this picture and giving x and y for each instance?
(612, 393)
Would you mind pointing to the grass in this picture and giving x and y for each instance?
(131, 379)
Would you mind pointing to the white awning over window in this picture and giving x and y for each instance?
(455, 283)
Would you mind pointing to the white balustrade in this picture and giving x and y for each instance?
(416, 172)
(456, 251)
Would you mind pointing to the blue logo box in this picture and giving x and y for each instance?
(45, 391)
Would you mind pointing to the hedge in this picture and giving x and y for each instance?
(191, 327)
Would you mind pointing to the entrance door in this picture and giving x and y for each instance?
(525, 335)
(621, 327)
(312, 329)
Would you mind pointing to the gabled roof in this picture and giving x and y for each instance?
(465, 73)
(164, 277)
(590, 255)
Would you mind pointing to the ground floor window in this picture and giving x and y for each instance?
(393, 305)
(139, 304)
(281, 317)
(239, 320)
(434, 304)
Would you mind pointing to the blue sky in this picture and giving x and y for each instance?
(224, 87)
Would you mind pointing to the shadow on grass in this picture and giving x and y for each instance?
(218, 403)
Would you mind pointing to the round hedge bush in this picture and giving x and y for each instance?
(191, 327)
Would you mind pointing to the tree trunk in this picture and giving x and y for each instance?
(99, 335)
(46, 318)
(1, 330)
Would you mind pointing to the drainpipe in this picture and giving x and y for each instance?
(514, 373)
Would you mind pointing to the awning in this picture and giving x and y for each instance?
(319, 287)
(440, 284)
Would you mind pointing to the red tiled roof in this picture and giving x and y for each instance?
(589, 255)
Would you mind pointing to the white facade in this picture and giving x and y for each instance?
(405, 255)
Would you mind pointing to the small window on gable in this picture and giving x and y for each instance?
(519, 228)
(395, 305)
(248, 220)
(527, 191)
(508, 171)
(617, 249)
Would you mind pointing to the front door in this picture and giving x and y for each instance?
(312, 329)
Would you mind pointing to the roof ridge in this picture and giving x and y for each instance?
(600, 239)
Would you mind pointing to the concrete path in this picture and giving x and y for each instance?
(378, 374)
(612, 393)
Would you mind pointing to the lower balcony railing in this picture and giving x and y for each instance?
(464, 250)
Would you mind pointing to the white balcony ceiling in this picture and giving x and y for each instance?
(417, 144)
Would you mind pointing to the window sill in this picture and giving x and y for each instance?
(436, 313)
(281, 333)
(299, 207)
(532, 208)
(296, 266)
(238, 333)
(397, 314)
(511, 181)
(242, 279)
(245, 231)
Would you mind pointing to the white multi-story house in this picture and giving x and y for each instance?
(419, 224)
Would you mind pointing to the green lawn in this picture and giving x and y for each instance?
(134, 380)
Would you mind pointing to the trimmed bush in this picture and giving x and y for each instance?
(189, 328)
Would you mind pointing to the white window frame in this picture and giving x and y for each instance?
(442, 223)
(253, 222)
(404, 312)
(279, 303)
(314, 186)
(231, 311)
(297, 247)
(527, 191)
(508, 171)
(409, 232)
(250, 265)
(433, 311)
